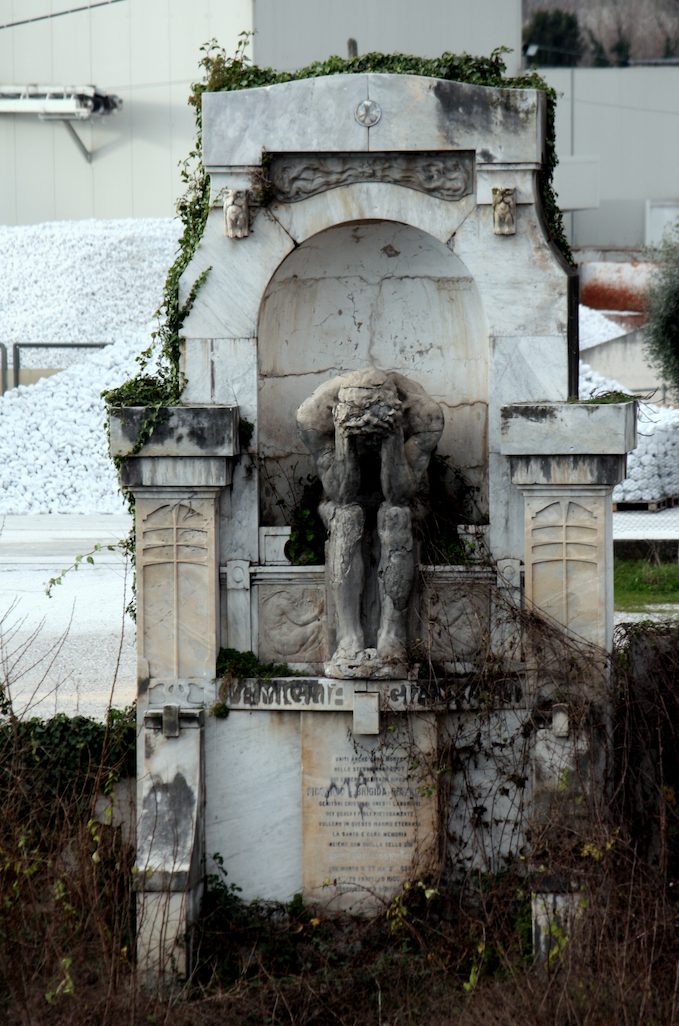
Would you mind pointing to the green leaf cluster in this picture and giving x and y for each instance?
(661, 306)
(232, 663)
(47, 765)
(306, 546)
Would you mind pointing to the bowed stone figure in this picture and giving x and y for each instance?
(371, 434)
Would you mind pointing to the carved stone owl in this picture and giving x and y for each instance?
(236, 213)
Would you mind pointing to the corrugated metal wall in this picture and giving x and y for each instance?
(147, 52)
(629, 117)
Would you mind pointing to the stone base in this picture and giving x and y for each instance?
(367, 665)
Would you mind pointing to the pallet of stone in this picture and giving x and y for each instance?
(646, 505)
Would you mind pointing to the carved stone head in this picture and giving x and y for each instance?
(235, 197)
(367, 403)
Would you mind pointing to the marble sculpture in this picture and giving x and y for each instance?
(236, 213)
(371, 434)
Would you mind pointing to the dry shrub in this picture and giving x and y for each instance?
(599, 839)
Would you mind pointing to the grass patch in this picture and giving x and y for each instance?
(640, 583)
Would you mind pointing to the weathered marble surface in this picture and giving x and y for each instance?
(318, 116)
(186, 431)
(445, 176)
(366, 828)
(453, 615)
(418, 113)
(254, 813)
(195, 473)
(292, 624)
(373, 201)
(545, 429)
(241, 268)
(569, 558)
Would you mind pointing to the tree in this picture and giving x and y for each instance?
(661, 306)
(557, 36)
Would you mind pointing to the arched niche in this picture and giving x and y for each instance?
(370, 292)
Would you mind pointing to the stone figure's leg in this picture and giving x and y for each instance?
(346, 525)
(395, 575)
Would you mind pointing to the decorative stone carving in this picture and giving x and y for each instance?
(454, 615)
(368, 113)
(236, 216)
(445, 176)
(566, 547)
(504, 210)
(371, 434)
(291, 623)
(175, 571)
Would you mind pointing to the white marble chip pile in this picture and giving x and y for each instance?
(653, 467)
(74, 281)
(81, 281)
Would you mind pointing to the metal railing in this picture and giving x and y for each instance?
(16, 358)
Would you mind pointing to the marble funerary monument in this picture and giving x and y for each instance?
(397, 302)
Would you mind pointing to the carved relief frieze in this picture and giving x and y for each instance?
(291, 623)
(445, 176)
(454, 619)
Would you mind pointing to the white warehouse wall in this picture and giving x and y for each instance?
(145, 51)
(629, 118)
(293, 33)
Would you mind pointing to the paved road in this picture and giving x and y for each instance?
(60, 654)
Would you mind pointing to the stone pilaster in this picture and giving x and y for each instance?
(566, 458)
(178, 632)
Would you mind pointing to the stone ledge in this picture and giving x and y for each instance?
(187, 431)
(176, 472)
(568, 429)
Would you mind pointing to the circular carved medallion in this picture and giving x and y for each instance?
(368, 113)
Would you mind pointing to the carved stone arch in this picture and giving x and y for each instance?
(369, 291)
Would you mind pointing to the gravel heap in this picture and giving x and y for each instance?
(653, 467)
(81, 281)
(74, 281)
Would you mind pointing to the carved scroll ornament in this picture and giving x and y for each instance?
(446, 176)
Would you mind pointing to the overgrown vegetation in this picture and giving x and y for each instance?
(661, 307)
(454, 944)
(231, 664)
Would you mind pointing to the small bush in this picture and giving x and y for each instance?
(661, 306)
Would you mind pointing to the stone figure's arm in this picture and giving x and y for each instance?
(339, 470)
(333, 451)
(398, 481)
(404, 462)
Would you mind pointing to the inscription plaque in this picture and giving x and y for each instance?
(366, 827)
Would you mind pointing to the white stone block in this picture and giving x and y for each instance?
(543, 429)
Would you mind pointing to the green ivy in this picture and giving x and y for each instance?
(48, 764)
(224, 73)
